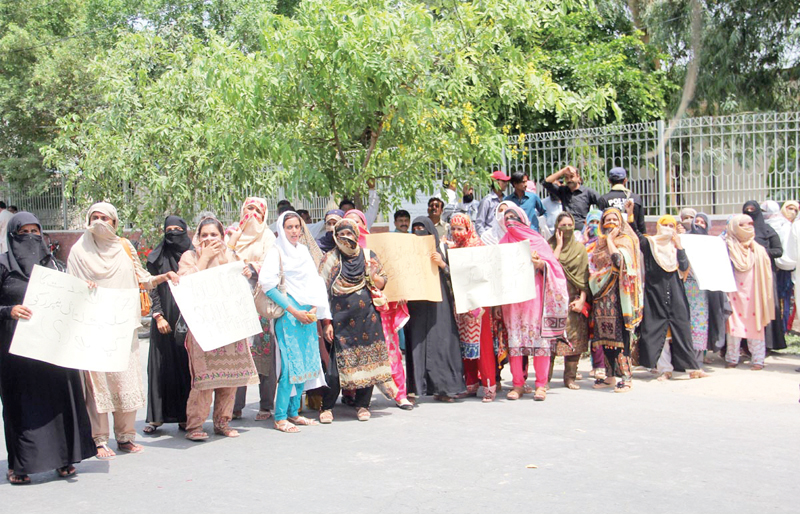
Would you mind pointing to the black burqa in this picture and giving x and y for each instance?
(665, 307)
(44, 414)
(433, 353)
(168, 377)
(767, 237)
(718, 306)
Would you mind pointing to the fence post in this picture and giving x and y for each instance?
(662, 169)
(503, 165)
(64, 201)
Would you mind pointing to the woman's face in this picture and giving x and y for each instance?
(253, 209)
(749, 209)
(700, 222)
(610, 221)
(511, 215)
(503, 208)
(746, 223)
(566, 224)
(208, 233)
(669, 225)
(419, 229)
(31, 228)
(458, 229)
(170, 228)
(102, 217)
(594, 223)
(792, 210)
(355, 217)
(330, 223)
(293, 229)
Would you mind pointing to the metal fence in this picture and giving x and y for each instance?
(713, 164)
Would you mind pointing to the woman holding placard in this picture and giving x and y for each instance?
(217, 373)
(433, 352)
(110, 261)
(304, 300)
(474, 327)
(44, 414)
(533, 326)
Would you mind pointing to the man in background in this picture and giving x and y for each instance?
(435, 208)
(620, 194)
(575, 198)
(5, 215)
(402, 220)
(528, 202)
(484, 219)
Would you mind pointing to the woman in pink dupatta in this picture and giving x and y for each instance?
(394, 315)
(533, 326)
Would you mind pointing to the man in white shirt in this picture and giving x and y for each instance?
(5, 215)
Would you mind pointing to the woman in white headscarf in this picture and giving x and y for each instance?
(250, 240)
(100, 256)
(497, 230)
(305, 300)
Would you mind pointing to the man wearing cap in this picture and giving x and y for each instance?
(576, 198)
(488, 204)
(620, 194)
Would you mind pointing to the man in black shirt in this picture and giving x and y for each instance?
(620, 194)
(575, 198)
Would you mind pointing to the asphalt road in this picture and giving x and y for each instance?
(728, 443)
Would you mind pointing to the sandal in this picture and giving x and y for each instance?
(527, 389)
(286, 427)
(237, 414)
(622, 387)
(472, 390)
(404, 404)
(149, 429)
(667, 375)
(699, 373)
(444, 398)
(579, 376)
(15, 479)
(104, 452)
(129, 447)
(489, 394)
(600, 373)
(303, 421)
(197, 436)
(515, 393)
(602, 383)
(263, 415)
(66, 471)
(756, 367)
(225, 430)
(363, 414)
(730, 365)
(572, 385)
(326, 417)
(540, 395)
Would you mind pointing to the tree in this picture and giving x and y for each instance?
(749, 56)
(338, 95)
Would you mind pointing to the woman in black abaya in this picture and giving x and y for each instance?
(433, 351)
(767, 237)
(168, 378)
(44, 414)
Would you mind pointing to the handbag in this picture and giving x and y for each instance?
(181, 329)
(265, 306)
(379, 299)
(144, 296)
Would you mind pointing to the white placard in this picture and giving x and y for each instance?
(708, 256)
(217, 305)
(74, 327)
(487, 276)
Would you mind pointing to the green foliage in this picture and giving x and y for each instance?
(192, 99)
(749, 52)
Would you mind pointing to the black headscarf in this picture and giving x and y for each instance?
(430, 230)
(166, 256)
(697, 229)
(354, 265)
(760, 226)
(25, 250)
(325, 241)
